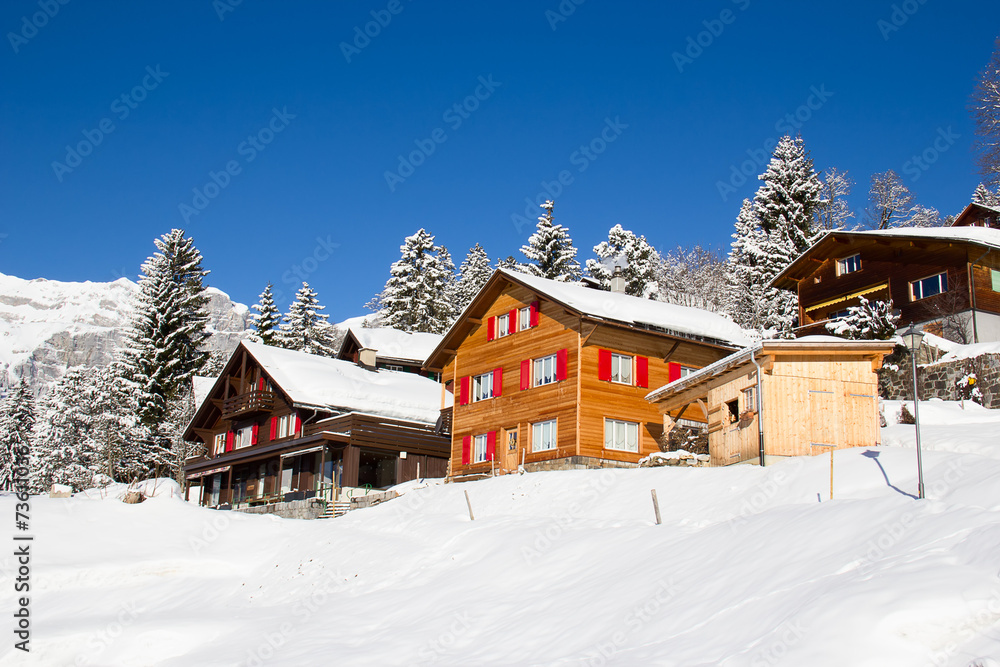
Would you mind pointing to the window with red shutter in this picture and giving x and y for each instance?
(604, 365)
(642, 371)
(274, 428)
(466, 450)
(298, 425)
(463, 390)
(562, 364)
(491, 328)
(512, 321)
(260, 384)
(253, 434)
(525, 374)
(497, 382)
(229, 441)
(674, 371)
(491, 445)
(534, 313)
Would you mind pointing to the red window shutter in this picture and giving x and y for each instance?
(674, 369)
(491, 328)
(274, 428)
(253, 434)
(467, 450)
(491, 445)
(533, 314)
(230, 436)
(512, 321)
(562, 364)
(298, 425)
(497, 383)
(642, 371)
(463, 390)
(604, 365)
(260, 384)
(525, 374)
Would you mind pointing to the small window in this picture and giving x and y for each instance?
(995, 280)
(848, 265)
(687, 370)
(921, 289)
(243, 437)
(524, 318)
(286, 425)
(838, 314)
(621, 435)
(734, 411)
(479, 453)
(621, 368)
(544, 371)
(543, 436)
(482, 387)
(394, 367)
(503, 325)
(220, 443)
(749, 399)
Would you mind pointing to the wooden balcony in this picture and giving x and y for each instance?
(248, 403)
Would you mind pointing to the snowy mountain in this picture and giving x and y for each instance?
(48, 326)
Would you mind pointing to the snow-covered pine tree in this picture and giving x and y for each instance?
(789, 197)
(450, 279)
(550, 250)
(415, 296)
(866, 321)
(64, 450)
(306, 329)
(266, 320)
(127, 451)
(164, 345)
(17, 424)
(986, 197)
(639, 261)
(472, 275)
(511, 264)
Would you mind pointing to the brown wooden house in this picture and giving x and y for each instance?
(930, 274)
(283, 425)
(978, 215)
(811, 395)
(549, 374)
(391, 349)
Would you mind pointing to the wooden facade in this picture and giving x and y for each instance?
(554, 341)
(814, 396)
(978, 215)
(261, 446)
(897, 265)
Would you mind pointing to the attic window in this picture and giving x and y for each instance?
(848, 265)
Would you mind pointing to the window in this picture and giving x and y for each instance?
(503, 325)
(543, 436)
(394, 367)
(687, 370)
(482, 387)
(243, 437)
(621, 435)
(220, 443)
(749, 399)
(524, 318)
(995, 280)
(621, 368)
(734, 411)
(838, 314)
(286, 425)
(921, 289)
(848, 265)
(544, 371)
(481, 447)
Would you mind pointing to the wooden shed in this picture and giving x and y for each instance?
(809, 395)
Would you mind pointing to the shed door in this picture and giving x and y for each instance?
(824, 420)
(861, 422)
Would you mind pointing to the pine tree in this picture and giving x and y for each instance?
(266, 320)
(639, 261)
(550, 250)
(986, 197)
(472, 275)
(65, 451)
(450, 280)
(127, 450)
(169, 325)
(415, 298)
(789, 198)
(17, 424)
(306, 329)
(866, 321)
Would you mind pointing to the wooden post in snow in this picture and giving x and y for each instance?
(832, 447)
(656, 507)
(469, 503)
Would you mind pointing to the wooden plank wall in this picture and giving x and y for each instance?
(732, 441)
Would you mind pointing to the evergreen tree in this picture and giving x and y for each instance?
(511, 264)
(415, 298)
(306, 329)
(550, 250)
(17, 424)
(266, 320)
(450, 280)
(472, 275)
(986, 197)
(169, 325)
(639, 261)
(65, 451)
(127, 451)
(866, 321)
(789, 198)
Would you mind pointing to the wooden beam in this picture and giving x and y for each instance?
(473, 320)
(585, 337)
(671, 351)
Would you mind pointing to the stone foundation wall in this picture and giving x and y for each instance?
(938, 380)
(310, 508)
(576, 463)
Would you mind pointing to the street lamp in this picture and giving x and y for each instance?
(912, 338)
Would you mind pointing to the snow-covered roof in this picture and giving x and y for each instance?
(392, 343)
(314, 381)
(681, 320)
(980, 235)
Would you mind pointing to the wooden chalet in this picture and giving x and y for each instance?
(389, 349)
(978, 215)
(810, 395)
(281, 425)
(928, 273)
(554, 375)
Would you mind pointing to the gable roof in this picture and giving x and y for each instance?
(983, 237)
(613, 308)
(968, 211)
(393, 344)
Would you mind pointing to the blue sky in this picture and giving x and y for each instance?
(299, 131)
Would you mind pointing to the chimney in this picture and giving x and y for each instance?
(618, 281)
(366, 358)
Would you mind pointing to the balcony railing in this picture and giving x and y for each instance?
(250, 402)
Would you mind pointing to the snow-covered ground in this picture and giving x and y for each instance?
(751, 567)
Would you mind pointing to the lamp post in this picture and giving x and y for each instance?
(911, 339)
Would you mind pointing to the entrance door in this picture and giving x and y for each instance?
(511, 457)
